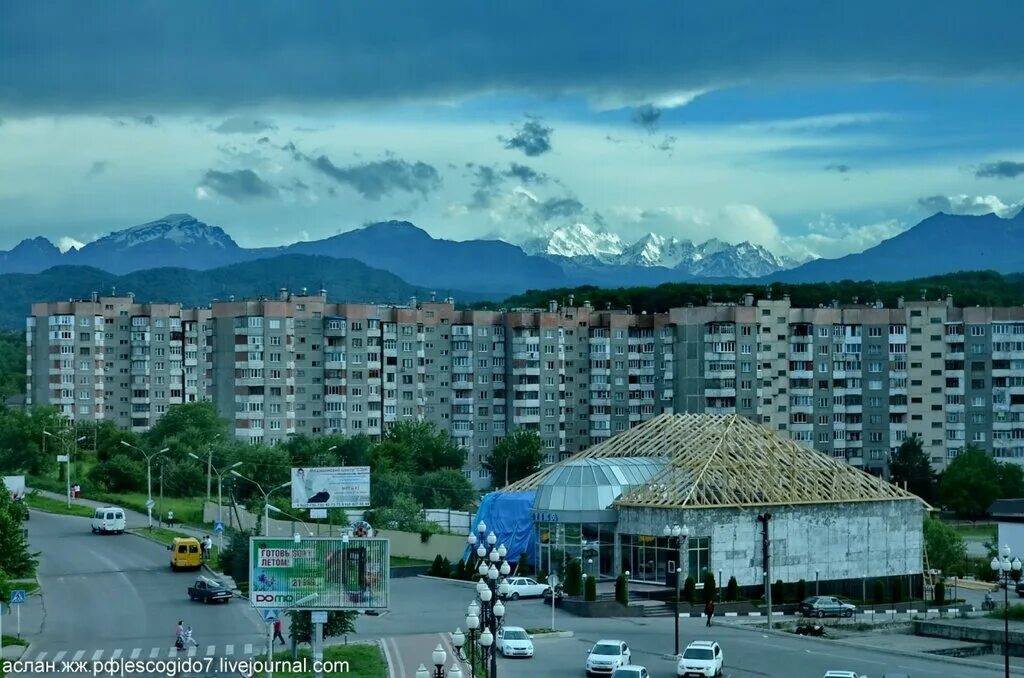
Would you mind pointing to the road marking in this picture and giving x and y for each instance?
(40, 657)
(154, 652)
(96, 655)
(192, 651)
(116, 654)
(78, 656)
(60, 655)
(229, 650)
(136, 652)
(210, 650)
(248, 648)
(173, 652)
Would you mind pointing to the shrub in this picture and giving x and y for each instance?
(447, 565)
(732, 591)
(779, 592)
(690, 590)
(435, 567)
(940, 593)
(622, 589)
(542, 577)
(591, 586)
(573, 578)
(120, 474)
(896, 586)
(801, 590)
(878, 592)
(460, 570)
(523, 565)
(710, 587)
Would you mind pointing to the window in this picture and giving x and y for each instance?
(699, 552)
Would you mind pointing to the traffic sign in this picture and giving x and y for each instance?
(17, 597)
(270, 615)
(317, 513)
(150, 503)
(63, 458)
(218, 526)
(319, 616)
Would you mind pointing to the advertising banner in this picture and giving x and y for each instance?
(319, 573)
(331, 487)
(16, 486)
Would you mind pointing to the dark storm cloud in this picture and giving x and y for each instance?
(239, 185)
(1003, 169)
(837, 167)
(533, 138)
(72, 56)
(560, 208)
(243, 125)
(648, 116)
(374, 180)
(525, 174)
(488, 181)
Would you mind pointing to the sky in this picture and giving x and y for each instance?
(813, 129)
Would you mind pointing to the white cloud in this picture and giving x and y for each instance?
(611, 101)
(830, 238)
(971, 204)
(66, 243)
(732, 223)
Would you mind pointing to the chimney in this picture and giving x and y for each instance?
(412, 302)
(748, 299)
(95, 297)
(572, 300)
(949, 301)
(303, 291)
(433, 297)
(552, 306)
(587, 305)
(629, 309)
(131, 296)
(323, 295)
(282, 294)
(899, 302)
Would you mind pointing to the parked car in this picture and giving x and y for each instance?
(186, 553)
(843, 674)
(525, 587)
(606, 656)
(631, 671)
(826, 606)
(209, 591)
(701, 658)
(1020, 588)
(514, 641)
(559, 593)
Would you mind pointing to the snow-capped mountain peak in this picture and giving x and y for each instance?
(577, 240)
(180, 229)
(656, 250)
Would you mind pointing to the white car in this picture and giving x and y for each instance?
(108, 520)
(843, 674)
(525, 587)
(606, 656)
(701, 658)
(514, 641)
(631, 671)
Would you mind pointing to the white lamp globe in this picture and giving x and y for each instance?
(481, 528)
(455, 671)
(485, 595)
(502, 551)
(458, 639)
(471, 539)
(439, 656)
(505, 569)
(499, 609)
(492, 539)
(472, 622)
(486, 638)
(422, 672)
(685, 531)
(492, 573)
(995, 564)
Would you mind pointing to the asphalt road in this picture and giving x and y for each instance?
(423, 611)
(114, 596)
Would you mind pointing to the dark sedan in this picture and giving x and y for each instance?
(826, 606)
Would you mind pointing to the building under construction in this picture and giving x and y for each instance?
(719, 476)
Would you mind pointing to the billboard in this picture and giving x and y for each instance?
(319, 573)
(331, 487)
(16, 486)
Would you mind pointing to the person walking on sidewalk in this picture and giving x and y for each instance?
(277, 632)
(709, 610)
(170, 519)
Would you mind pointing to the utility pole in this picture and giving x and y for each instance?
(766, 558)
(161, 509)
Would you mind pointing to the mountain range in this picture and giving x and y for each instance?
(567, 257)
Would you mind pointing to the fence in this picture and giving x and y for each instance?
(456, 522)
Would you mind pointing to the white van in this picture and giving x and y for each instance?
(108, 519)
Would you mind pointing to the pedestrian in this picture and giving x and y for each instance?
(179, 636)
(209, 545)
(189, 640)
(170, 518)
(709, 610)
(277, 632)
(206, 548)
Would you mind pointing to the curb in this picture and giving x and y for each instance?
(24, 652)
(554, 634)
(867, 613)
(453, 581)
(899, 653)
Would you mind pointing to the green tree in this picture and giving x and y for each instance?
(339, 623)
(188, 427)
(1011, 481)
(970, 483)
(444, 489)
(911, 465)
(517, 455)
(591, 589)
(120, 473)
(12, 364)
(573, 578)
(418, 447)
(710, 586)
(386, 486)
(622, 589)
(946, 549)
(690, 590)
(15, 558)
(405, 514)
(732, 591)
(940, 593)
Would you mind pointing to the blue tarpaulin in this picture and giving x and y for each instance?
(510, 516)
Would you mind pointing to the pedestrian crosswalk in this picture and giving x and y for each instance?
(230, 650)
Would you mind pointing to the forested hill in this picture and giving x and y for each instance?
(976, 288)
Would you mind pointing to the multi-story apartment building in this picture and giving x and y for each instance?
(853, 381)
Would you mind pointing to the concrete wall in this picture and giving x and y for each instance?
(1012, 535)
(837, 541)
(408, 544)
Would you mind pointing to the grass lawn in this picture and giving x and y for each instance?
(364, 661)
(186, 509)
(402, 561)
(57, 506)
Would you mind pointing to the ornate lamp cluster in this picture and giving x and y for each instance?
(483, 620)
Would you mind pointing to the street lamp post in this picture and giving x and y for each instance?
(149, 476)
(220, 493)
(439, 657)
(680, 534)
(491, 588)
(66, 447)
(266, 499)
(1005, 568)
